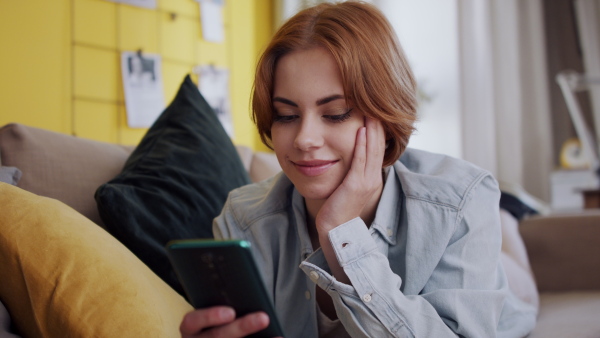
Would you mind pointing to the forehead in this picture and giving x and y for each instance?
(307, 73)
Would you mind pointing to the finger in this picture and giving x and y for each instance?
(375, 145)
(360, 151)
(198, 320)
(241, 327)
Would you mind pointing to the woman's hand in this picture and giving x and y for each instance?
(358, 195)
(220, 321)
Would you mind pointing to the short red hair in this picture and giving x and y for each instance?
(376, 76)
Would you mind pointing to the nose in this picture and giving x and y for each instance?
(309, 135)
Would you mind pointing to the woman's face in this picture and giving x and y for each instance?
(315, 127)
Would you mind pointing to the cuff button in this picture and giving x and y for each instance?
(314, 275)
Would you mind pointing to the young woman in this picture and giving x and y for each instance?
(359, 236)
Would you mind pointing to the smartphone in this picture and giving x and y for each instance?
(223, 272)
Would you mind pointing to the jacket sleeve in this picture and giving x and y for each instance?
(464, 294)
(225, 224)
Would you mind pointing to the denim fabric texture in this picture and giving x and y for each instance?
(428, 266)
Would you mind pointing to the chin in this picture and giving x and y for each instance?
(315, 193)
(314, 188)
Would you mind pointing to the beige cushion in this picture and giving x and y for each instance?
(63, 276)
(564, 250)
(245, 155)
(263, 166)
(260, 165)
(568, 314)
(60, 166)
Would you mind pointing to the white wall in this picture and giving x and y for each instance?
(483, 63)
(428, 32)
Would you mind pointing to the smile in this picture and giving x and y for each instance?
(313, 168)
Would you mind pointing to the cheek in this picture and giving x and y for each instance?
(279, 141)
(277, 137)
(344, 140)
(341, 139)
(348, 150)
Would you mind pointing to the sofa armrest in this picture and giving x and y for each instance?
(59, 166)
(564, 250)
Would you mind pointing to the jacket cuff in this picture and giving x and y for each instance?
(351, 241)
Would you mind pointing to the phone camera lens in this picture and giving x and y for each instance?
(208, 259)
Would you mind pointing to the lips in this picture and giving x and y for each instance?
(313, 168)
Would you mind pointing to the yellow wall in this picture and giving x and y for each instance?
(35, 58)
(60, 60)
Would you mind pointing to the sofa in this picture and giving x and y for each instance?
(563, 250)
(63, 272)
(66, 171)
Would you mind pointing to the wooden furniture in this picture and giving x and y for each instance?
(591, 199)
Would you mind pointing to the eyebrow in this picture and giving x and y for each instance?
(318, 102)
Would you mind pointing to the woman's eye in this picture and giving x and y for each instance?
(285, 118)
(336, 118)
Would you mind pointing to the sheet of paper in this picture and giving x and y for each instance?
(211, 18)
(143, 87)
(213, 83)
(138, 3)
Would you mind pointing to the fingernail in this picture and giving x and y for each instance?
(261, 319)
(227, 313)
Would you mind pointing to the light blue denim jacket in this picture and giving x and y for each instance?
(428, 266)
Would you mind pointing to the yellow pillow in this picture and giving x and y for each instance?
(62, 275)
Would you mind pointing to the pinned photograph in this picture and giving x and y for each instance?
(211, 18)
(213, 83)
(143, 87)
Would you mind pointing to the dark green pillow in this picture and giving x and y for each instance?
(174, 183)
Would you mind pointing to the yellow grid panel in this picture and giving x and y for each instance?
(138, 29)
(95, 120)
(35, 64)
(212, 53)
(126, 135)
(178, 38)
(242, 61)
(94, 23)
(96, 74)
(173, 74)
